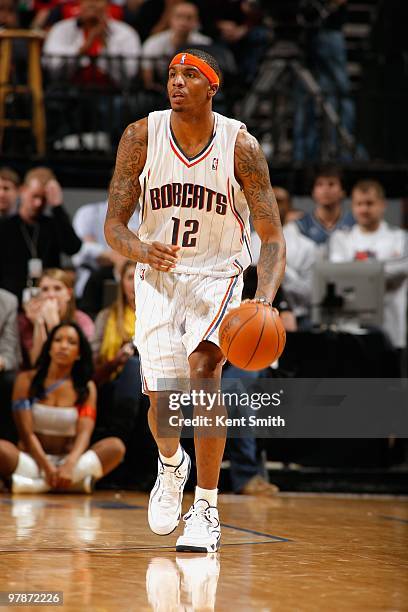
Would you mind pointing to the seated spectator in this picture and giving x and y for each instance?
(9, 359)
(158, 48)
(8, 14)
(328, 194)
(92, 36)
(55, 410)
(9, 192)
(49, 13)
(95, 253)
(300, 259)
(54, 303)
(31, 240)
(373, 238)
(10, 20)
(117, 365)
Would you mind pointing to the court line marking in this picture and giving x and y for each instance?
(112, 505)
(121, 549)
(258, 533)
(394, 518)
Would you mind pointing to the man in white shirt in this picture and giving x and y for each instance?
(300, 259)
(184, 23)
(374, 238)
(88, 223)
(93, 35)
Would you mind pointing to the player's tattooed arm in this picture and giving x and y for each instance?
(124, 194)
(251, 171)
(124, 191)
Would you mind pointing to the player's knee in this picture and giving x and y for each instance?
(4, 448)
(117, 447)
(207, 367)
(5, 457)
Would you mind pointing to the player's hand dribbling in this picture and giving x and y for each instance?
(162, 257)
(261, 301)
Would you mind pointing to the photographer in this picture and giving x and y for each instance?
(31, 240)
(326, 57)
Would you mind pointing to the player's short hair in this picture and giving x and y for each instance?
(207, 58)
(329, 171)
(8, 174)
(367, 184)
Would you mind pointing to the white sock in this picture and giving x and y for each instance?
(25, 484)
(174, 459)
(209, 495)
(88, 464)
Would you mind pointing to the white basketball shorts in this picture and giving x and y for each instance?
(174, 313)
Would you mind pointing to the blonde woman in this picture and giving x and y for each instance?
(117, 365)
(54, 303)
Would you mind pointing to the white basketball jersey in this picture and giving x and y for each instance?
(191, 201)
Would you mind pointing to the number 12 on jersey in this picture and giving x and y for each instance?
(188, 235)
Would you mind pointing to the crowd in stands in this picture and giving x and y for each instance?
(123, 47)
(42, 327)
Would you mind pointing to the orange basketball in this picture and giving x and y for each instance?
(252, 336)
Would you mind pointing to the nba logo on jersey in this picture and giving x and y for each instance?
(214, 163)
(183, 58)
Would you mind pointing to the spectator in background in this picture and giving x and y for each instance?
(9, 191)
(32, 240)
(9, 19)
(54, 303)
(9, 346)
(117, 365)
(9, 359)
(327, 60)
(49, 13)
(244, 35)
(55, 410)
(328, 194)
(95, 253)
(8, 14)
(373, 238)
(90, 40)
(183, 32)
(300, 259)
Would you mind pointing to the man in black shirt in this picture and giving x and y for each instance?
(31, 241)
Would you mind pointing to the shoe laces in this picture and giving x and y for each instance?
(198, 518)
(171, 487)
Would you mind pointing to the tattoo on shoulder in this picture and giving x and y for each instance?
(124, 189)
(251, 170)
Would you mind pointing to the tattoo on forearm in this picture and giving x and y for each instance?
(252, 171)
(125, 188)
(270, 268)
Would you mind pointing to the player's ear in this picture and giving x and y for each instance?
(212, 90)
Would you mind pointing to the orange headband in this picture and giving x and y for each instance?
(192, 60)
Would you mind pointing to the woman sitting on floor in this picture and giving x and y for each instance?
(55, 409)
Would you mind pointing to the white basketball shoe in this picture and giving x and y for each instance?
(167, 495)
(202, 530)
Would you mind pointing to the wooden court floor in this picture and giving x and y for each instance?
(293, 553)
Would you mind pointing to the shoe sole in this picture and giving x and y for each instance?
(179, 516)
(196, 549)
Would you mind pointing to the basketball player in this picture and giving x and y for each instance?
(186, 165)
